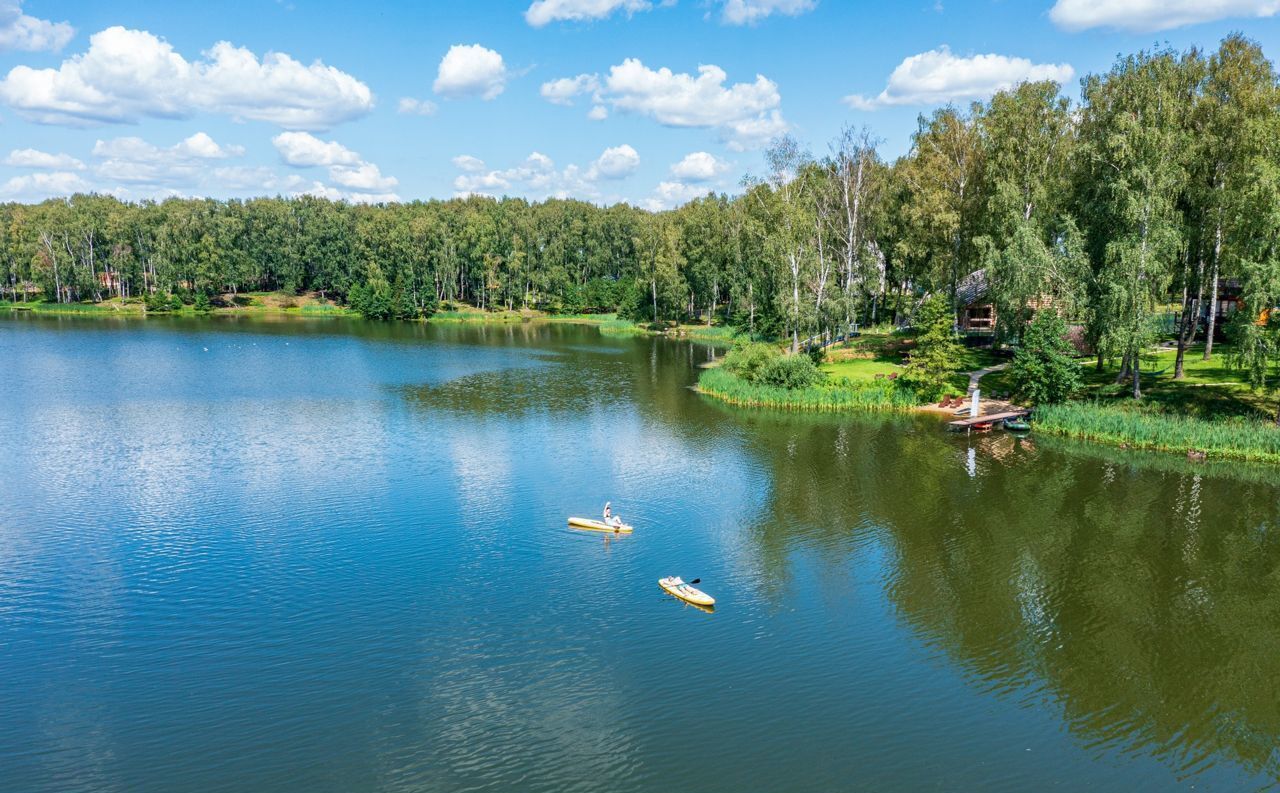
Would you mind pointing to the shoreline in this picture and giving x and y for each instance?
(609, 324)
(1192, 438)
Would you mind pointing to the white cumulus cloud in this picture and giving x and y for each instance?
(671, 194)
(19, 31)
(322, 190)
(408, 106)
(465, 162)
(749, 12)
(938, 76)
(304, 150)
(1147, 16)
(256, 180)
(747, 115)
(33, 158)
(346, 168)
(564, 90)
(39, 186)
(365, 177)
(543, 12)
(471, 70)
(538, 176)
(699, 166)
(617, 162)
(126, 75)
(133, 160)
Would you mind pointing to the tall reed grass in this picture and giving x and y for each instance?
(872, 396)
(1235, 438)
(622, 327)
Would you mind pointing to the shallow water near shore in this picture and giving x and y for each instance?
(332, 555)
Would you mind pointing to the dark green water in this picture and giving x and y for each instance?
(331, 556)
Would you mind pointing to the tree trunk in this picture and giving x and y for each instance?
(1213, 301)
(1124, 369)
(1137, 382)
(1190, 321)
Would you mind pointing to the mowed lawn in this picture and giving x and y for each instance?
(873, 355)
(1209, 389)
(867, 356)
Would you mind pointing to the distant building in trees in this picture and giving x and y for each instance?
(1230, 300)
(977, 310)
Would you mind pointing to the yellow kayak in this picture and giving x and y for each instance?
(675, 585)
(599, 525)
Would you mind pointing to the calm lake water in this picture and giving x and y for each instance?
(332, 556)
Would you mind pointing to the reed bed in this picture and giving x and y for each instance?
(1235, 438)
(478, 316)
(328, 311)
(872, 396)
(623, 327)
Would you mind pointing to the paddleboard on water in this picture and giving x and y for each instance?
(675, 585)
(598, 525)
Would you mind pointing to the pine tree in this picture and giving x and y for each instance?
(937, 355)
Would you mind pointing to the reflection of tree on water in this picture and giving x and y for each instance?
(1144, 603)
(1138, 593)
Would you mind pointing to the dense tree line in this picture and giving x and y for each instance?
(1162, 179)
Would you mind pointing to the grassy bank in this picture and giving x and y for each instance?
(254, 304)
(85, 309)
(1235, 438)
(834, 395)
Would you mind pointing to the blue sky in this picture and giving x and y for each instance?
(140, 99)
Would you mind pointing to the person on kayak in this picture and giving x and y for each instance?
(609, 518)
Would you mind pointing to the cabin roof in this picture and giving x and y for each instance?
(973, 288)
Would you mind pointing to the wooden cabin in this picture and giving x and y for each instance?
(976, 314)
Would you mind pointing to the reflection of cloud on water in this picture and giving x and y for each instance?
(494, 713)
(553, 388)
(481, 466)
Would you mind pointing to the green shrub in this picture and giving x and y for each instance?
(790, 372)
(1043, 371)
(158, 303)
(747, 361)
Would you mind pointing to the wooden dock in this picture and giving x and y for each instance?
(991, 418)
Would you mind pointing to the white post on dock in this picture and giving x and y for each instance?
(973, 408)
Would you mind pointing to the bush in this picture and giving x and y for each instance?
(158, 303)
(1043, 371)
(790, 372)
(817, 354)
(202, 303)
(747, 361)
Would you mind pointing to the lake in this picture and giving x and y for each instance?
(331, 555)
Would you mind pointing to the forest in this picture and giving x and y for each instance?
(1132, 201)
